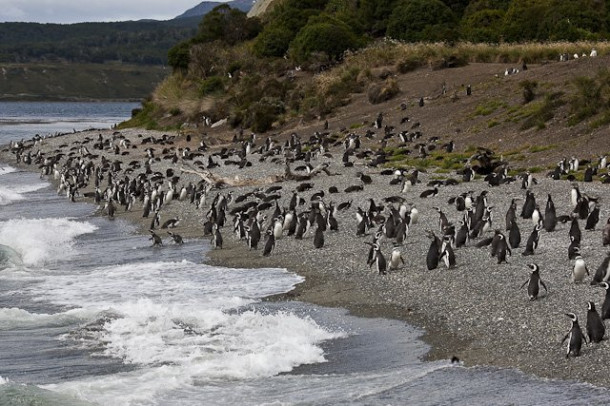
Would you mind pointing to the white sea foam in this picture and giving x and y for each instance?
(183, 323)
(3, 381)
(6, 169)
(15, 318)
(14, 193)
(42, 241)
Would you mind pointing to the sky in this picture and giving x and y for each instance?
(76, 11)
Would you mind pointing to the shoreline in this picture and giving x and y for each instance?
(475, 311)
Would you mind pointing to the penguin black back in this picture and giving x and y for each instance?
(595, 326)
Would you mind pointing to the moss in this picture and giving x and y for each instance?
(488, 107)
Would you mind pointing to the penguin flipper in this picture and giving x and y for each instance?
(544, 286)
(524, 283)
(565, 338)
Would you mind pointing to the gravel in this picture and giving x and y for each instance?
(475, 311)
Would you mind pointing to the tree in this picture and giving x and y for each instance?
(422, 20)
(178, 56)
(483, 26)
(228, 25)
(323, 34)
(522, 20)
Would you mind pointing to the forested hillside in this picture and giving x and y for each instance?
(134, 42)
(259, 71)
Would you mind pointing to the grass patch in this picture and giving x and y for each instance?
(541, 148)
(488, 107)
(536, 114)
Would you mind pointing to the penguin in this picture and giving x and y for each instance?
(176, 237)
(595, 326)
(318, 239)
(502, 250)
(536, 215)
(157, 242)
(529, 205)
(550, 216)
(580, 269)
(574, 336)
(532, 241)
(447, 254)
(606, 305)
(533, 283)
(575, 234)
(511, 214)
(574, 195)
(278, 227)
(573, 249)
(269, 244)
(606, 233)
(603, 271)
(380, 261)
(592, 218)
(216, 237)
(396, 258)
(461, 236)
(514, 236)
(171, 223)
(433, 252)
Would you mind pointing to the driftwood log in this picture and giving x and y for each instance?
(220, 181)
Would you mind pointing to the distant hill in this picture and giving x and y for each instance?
(143, 42)
(206, 6)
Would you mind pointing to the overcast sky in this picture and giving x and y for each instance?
(74, 11)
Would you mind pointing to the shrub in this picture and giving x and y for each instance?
(422, 20)
(324, 35)
(213, 84)
(380, 92)
(178, 57)
(529, 87)
(264, 113)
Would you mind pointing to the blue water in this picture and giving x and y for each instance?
(25, 119)
(91, 314)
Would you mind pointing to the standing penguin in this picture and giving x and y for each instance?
(514, 236)
(606, 305)
(433, 252)
(574, 337)
(592, 218)
(575, 234)
(595, 326)
(606, 233)
(529, 205)
(573, 248)
(532, 241)
(379, 260)
(603, 272)
(580, 269)
(502, 250)
(534, 282)
(269, 244)
(447, 254)
(318, 239)
(511, 214)
(396, 258)
(550, 215)
(216, 237)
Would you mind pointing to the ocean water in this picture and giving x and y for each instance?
(91, 314)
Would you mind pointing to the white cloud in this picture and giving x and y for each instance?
(71, 11)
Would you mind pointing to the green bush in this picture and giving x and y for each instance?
(264, 113)
(483, 26)
(273, 41)
(325, 35)
(178, 57)
(422, 20)
(529, 90)
(211, 85)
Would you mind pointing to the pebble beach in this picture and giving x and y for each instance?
(475, 311)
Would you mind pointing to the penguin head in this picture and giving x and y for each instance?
(590, 306)
(534, 267)
(572, 316)
(605, 285)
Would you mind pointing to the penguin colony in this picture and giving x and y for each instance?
(462, 223)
